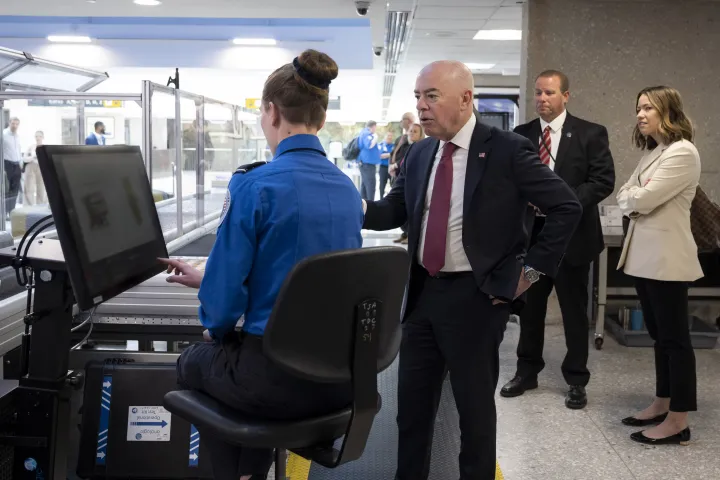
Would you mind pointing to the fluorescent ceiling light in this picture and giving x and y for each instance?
(254, 41)
(69, 39)
(147, 3)
(498, 35)
(480, 66)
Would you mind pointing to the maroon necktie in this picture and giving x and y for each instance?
(545, 146)
(437, 225)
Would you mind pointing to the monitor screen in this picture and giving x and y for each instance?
(105, 216)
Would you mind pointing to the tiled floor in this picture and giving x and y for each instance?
(540, 439)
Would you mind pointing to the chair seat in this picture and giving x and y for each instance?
(209, 415)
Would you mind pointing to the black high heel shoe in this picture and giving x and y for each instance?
(682, 438)
(635, 422)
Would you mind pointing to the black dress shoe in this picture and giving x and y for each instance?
(682, 438)
(517, 386)
(576, 398)
(635, 422)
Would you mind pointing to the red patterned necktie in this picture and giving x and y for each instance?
(545, 146)
(437, 225)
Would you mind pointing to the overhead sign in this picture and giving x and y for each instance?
(252, 103)
(45, 102)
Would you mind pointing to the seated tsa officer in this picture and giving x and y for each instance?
(275, 214)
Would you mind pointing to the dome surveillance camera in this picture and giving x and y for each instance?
(362, 7)
(378, 51)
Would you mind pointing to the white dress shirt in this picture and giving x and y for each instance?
(11, 146)
(556, 127)
(455, 258)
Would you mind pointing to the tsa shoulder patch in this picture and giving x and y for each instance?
(226, 207)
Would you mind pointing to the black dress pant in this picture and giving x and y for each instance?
(571, 285)
(665, 311)
(384, 179)
(13, 171)
(454, 327)
(237, 373)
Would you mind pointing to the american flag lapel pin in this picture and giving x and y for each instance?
(482, 155)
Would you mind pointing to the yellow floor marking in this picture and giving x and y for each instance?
(298, 468)
(498, 472)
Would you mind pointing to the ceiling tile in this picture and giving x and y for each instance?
(460, 3)
(502, 25)
(433, 24)
(508, 13)
(468, 13)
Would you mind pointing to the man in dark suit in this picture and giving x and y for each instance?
(578, 152)
(464, 193)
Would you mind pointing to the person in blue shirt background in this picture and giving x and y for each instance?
(295, 206)
(369, 159)
(386, 149)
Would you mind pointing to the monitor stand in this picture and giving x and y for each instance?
(42, 399)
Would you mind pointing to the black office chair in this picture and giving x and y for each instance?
(336, 319)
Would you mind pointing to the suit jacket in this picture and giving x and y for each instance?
(93, 140)
(503, 174)
(585, 163)
(659, 244)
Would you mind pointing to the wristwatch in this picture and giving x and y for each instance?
(531, 275)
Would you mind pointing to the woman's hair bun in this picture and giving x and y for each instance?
(319, 65)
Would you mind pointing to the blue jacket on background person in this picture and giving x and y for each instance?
(369, 152)
(385, 147)
(274, 216)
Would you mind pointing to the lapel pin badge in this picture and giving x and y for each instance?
(568, 134)
(482, 155)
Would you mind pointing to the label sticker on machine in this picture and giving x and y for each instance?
(148, 424)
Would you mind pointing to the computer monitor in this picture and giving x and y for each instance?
(105, 216)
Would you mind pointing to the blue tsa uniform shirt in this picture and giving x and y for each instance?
(369, 153)
(385, 147)
(275, 215)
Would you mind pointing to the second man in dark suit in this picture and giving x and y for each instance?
(578, 152)
(463, 193)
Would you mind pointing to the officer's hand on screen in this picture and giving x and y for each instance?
(182, 273)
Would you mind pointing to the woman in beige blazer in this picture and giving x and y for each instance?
(661, 255)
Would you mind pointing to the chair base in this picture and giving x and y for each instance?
(280, 464)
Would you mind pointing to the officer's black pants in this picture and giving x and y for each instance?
(238, 374)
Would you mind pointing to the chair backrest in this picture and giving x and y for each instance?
(312, 329)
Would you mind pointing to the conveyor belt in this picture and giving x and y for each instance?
(168, 213)
(199, 248)
(119, 328)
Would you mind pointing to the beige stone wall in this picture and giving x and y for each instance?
(612, 49)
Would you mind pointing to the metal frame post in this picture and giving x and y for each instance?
(178, 164)
(146, 105)
(235, 139)
(200, 168)
(3, 226)
(81, 122)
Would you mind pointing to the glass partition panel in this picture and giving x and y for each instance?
(220, 156)
(253, 146)
(118, 122)
(46, 77)
(163, 158)
(38, 121)
(191, 135)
